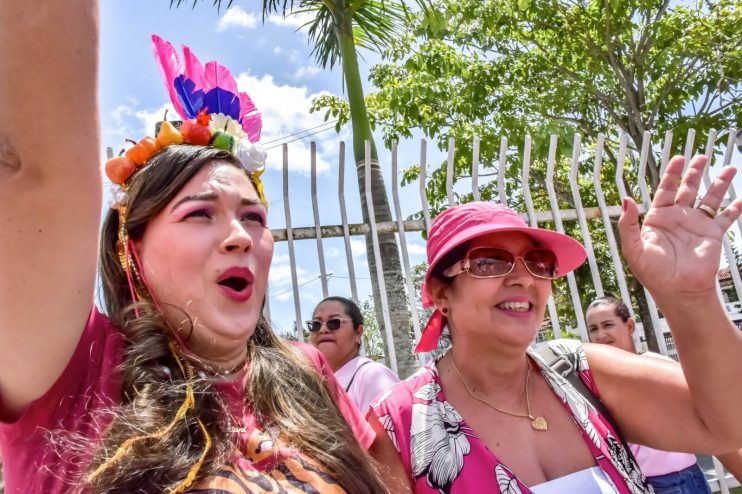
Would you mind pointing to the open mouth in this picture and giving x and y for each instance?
(515, 306)
(236, 283)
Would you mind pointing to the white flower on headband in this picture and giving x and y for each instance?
(220, 121)
(251, 154)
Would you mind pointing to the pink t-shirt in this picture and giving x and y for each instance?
(91, 381)
(654, 461)
(364, 380)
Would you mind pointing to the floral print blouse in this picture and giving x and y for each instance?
(442, 454)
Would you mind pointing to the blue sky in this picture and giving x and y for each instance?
(272, 63)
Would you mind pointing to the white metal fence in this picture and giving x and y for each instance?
(556, 215)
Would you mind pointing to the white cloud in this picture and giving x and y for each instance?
(277, 50)
(285, 111)
(358, 247)
(149, 118)
(306, 72)
(120, 112)
(292, 20)
(235, 17)
(332, 252)
(279, 277)
(416, 249)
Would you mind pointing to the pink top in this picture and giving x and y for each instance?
(364, 380)
(443, 454)
(654, 461)
(90, 382)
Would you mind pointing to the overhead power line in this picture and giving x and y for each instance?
(299, 138)
(300, 132)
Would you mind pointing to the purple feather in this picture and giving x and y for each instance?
(191, 99)
(219, 100)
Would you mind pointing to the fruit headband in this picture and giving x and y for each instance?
(213, 112)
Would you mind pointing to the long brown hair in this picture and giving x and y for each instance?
(285, 392)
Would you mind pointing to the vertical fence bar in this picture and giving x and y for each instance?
(403, 245)
(450, 170)
(267, 303)
(290, 238)
(623, 145)
(377, 255)
(556, 212)
(730, 146)
(423, 181)
(586, 240)
(729, 151)
(612, 244)
(317, 224)
(501, 169)
(475, 169)
(720, 476)
(525, 179)
(647, 200)
(666, 150)
(642, 174)
(731, 260)
(689, 142)
(344, 219)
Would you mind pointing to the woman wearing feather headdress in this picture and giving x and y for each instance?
(181, 385)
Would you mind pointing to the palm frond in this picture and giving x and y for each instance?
(215, 3)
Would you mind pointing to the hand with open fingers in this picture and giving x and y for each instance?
(676, 250)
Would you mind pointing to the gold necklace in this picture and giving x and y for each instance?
(537, 423)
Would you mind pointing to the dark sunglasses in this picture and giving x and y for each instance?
(332, 324)
(491, 262)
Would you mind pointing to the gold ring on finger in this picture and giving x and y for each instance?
(711, 212)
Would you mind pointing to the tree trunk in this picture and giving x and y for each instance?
(392, 269)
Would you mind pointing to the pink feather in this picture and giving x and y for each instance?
(170, 68)
(217, 75)
(193, 69)
(250, 118)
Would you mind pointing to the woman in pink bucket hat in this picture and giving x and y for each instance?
(495, 414)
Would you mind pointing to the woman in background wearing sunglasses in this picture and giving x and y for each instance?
(493, 415)
(336, 329)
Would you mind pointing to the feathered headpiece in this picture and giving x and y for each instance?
(212, 110)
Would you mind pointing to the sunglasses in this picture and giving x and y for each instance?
(491, 262)
(332, 324)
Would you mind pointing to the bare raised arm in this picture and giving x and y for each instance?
(50, 190)
(675, 253)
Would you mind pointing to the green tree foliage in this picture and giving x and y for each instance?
(540, 67)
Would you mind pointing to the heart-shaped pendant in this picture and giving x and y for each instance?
(539, 423)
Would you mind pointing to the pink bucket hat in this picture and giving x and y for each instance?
(465, 222)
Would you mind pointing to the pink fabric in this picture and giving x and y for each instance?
(654, 461)
(91, 382)
(369, 380)
(357, 422)
(442, 454)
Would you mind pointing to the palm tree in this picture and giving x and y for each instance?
(337, 29)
